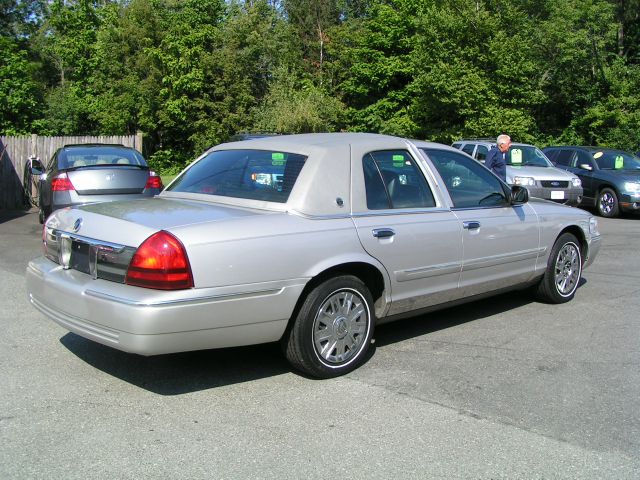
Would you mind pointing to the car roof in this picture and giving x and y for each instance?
(95, 145)
(591, 148)
(306, 141)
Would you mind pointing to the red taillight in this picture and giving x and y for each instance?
(61, 183)
(154, 181)
(160, 262)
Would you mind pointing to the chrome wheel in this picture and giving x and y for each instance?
(608, 203)
(567, 269)
(340, 327)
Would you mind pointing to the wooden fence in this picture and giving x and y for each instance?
(15, 153)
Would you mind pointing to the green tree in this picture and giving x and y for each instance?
(20, 94)
(371, 67)
(295, 106)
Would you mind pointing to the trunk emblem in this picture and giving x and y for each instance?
(110, 177)
(77, 225)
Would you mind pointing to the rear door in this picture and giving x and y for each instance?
(402, 222)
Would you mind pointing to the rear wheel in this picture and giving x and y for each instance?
(564, 269)
(332, 331)
(608, 205)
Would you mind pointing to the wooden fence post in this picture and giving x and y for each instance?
(138, 141)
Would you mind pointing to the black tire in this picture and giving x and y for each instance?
(332, 331)
(564, 270)
(607, 204)
(41, 216)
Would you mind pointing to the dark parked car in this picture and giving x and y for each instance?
(90, 173)
(610, 178)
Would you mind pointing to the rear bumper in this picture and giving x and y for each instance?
(150, 322)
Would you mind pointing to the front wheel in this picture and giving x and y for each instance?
(332, 331)
(608, 205)
(564, 270)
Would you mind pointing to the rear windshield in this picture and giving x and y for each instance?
(96, 156)
(520, 155)
(252, 174)
(616, 160)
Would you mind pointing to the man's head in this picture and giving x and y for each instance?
(504, 143)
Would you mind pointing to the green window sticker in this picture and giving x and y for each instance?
(619, 162)
(597, 154)
(398, 161)
(516, 156)
(277, 159)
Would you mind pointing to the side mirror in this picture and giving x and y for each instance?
(519, 195)
(585, 166)
(36, 167)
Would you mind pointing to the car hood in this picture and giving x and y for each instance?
(539, 173)
(130, 222)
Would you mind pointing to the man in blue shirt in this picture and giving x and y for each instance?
(497, 157)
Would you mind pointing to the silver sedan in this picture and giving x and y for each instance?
(310, 240)
(89, 173)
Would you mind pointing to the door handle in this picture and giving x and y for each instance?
(472, 225)
(383, 232)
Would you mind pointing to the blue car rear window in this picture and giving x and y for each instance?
(252, 174)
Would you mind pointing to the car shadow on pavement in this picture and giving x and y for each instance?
(179, 373)
(408, 328)
(6, 215)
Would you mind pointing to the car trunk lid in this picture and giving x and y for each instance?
(108, 180)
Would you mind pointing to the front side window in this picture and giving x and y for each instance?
(470, 184)
(393, 180)
(251, 174)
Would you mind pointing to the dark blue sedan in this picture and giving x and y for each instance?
(610, 178)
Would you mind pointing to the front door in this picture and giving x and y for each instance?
(501, 242)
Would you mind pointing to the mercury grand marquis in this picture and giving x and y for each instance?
(310, 240)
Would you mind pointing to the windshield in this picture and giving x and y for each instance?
(526, 155)
(252, 174)
(77, 157)
(616, 160)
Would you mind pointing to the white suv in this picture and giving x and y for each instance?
(529, 167)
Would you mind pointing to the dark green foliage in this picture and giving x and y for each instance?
(191, 73)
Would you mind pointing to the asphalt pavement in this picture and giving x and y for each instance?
(504, 388)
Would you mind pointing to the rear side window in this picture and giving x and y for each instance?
(481, 153)
(393, 180)
(551, 154)
(252, 174)
(564, 157)
(468, 148)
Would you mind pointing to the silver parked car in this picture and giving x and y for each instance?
(89, 173)
(528, 166)
(310, 240)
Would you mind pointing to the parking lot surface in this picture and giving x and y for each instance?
(501, 388)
